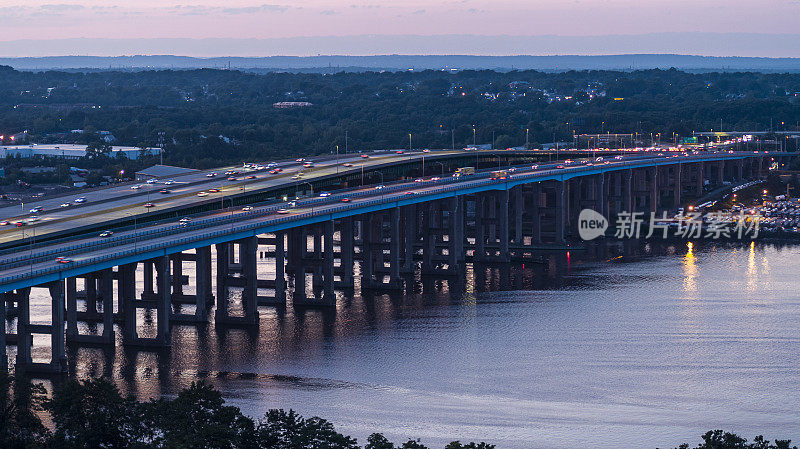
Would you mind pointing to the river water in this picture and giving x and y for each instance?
(616, 347)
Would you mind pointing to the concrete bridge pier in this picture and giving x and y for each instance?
(677, 186)
(479, 253)
(409, 238)
(346, 250)
(25, 330)
(300, 247)
(328, 296)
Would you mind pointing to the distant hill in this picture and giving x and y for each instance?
(335, 63)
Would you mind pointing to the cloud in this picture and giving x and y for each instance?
(60, 7)
(418, 12)
(329, 12)
(255, 9)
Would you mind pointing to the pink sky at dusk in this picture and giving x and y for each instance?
(35, 19)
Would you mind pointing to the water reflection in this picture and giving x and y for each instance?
(622, 344)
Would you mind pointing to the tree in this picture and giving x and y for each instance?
(92, 414)
(198, 418)
(378, 441)
(288, 430)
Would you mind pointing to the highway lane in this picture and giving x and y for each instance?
(56, 219)
(150, 235)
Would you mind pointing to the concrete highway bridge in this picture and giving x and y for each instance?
(246, 242)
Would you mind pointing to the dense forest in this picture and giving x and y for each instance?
(213, 116)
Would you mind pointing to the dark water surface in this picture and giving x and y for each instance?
(648, 349)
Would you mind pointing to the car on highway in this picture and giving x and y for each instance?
(300, 159)
(136, 187)
(283, 211)
(164, 191)
(347, 164)
(211, 175)
(345, 200)
(324, 194)
(398, 152)
(409, 192)
(63, 260)
(251, 177)
(64, 204)
(297, 176)
(247, 208)
(365, 156)
(534, 167)
(426, 151)
(149, 205)
(169, 183)
(4, 223)
(273, 171)
(151, 181)
(81, 199)
(34, 210)
(559, 166)
(106, 233)
(380, 187)
(308, 164)
(231, 178)
(435, 178)
(185, 221)
(213, 190)
(19, 223)
(202, 194)
(33, 219)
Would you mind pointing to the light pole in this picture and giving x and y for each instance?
(473, 135)
(409, 142)
(527, 139)
(442, 164)
(337, 159)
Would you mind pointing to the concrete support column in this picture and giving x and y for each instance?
(347, 250)
(301, 244)
(480, 228)
(248, 254)
(148, 278)
(600, 199)
(58, 360)
(280, 275)
(177, 275)
(127, 298)
(410, 237)
(720, 173)
(459, 215)
(72, 309)
(394, 246)
(107, 283)
(503, 219)
(560, 212)
(223, 262)
(23, 332)
(327, 264)
(203, 281)
(678, 187)
(700, 178)
(164, 305)
(90, 288)
(627, 191)
(367, 266)
(536, 218)
(654, 190)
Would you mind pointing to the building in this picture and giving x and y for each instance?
(66, 151)
(162, 171)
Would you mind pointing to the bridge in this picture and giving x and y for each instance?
(359, 235)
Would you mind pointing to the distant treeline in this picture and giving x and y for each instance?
(92, 414)
(213, 116)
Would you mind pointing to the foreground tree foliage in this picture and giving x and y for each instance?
(93, 414)
(719, 439)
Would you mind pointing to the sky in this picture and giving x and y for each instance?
(249, 19)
